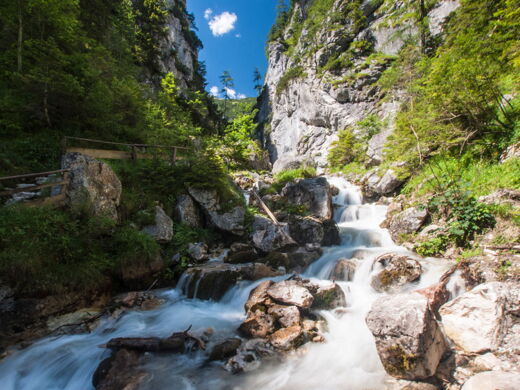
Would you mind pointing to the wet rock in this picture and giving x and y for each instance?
(484, 319)
(437, 295)
(94, 185)
(314, 194)
(187, 212)
(84, 320)
(143, 300)
(286, 315)
(493, 380)
(257, 324)
(6, 299)
(397, 270)
(330, 233)
(296, 259)
(120, 371)
(258, 298)
(225, 349)
(268, 237)
(327, 295)
(162, 231)
(407, 222)
(213, 280)
(306, 230)
(409, 340)
(241, 253)
(229, 221)
(248, 356)
(287, 338)
(344, 270)
(198, 251)
(291, 292)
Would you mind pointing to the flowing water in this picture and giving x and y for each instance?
(348, 359)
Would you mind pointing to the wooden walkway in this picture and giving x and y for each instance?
(61, 178)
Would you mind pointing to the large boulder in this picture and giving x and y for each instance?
(493, 380)
(312, 230)
(187, 212)
(484, 319)
(241, 253)
(314, 194)
(291, 292)
(395, 271)
(227, 220)
(409, 340)
(122, 370)
(376, 186)
(94, 186)
(140, 275)
(268, 237)
(213, 280)
(407, 222)
(162, 230)
(279, 312)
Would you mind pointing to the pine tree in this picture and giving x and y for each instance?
(227, 84)
(257, 78)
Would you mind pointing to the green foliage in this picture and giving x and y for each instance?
(292, 74)
(460, 97)
(284, 177)
(433, 247)
(236, 107)
(45, 251)
(347, 149)
(237, 146)
(465, 215)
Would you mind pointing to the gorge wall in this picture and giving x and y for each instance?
(326, 59)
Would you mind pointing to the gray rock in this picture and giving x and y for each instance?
(290, 292)
(287, 338)
(94, 185)
(198, 251)
(187, 212)
(230, 221)
(409, 340)
(513, 151)
(388, 183)
(306, 230)
(225, 349)
(344, 270)
(286, 315)
(493, 380)
(408, 221)
(162, 231)
(269, 237)
(212, 280)
(327, 295)
(484, 319)
(397, 270)
(314, 194)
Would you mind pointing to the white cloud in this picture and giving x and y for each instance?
(222, 23)
(238, 36)
(231, 93)
(241, 96)
(207, 13)
(214, 91)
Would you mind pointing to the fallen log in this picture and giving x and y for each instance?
(179, 342)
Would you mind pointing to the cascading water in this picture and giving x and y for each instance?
(348, 360)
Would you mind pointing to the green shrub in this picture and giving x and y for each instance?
(284, 177)
(48, 251)
(432, 247)
(347, 149)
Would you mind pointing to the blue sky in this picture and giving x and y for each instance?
(233, 33)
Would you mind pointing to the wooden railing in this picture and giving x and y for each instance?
(133, 152)
(57, 199)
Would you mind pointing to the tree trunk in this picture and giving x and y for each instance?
(20, 36)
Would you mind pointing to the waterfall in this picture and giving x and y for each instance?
(348, 359)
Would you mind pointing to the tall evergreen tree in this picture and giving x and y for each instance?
(257, 78)
(227, 84)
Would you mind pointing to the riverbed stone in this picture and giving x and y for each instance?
(290, 292)
(407, 222)
(287, 338)
(286, 315)
(409, 340)
(397, 270)
(485, 318)
(269, 237)
(493, 380)
(120, 371)
(344, 270)
(225, 349)
(257, 324)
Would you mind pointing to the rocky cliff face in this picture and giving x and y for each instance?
(324, 72)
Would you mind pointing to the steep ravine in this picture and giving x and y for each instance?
(324, 80)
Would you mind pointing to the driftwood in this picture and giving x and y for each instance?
(179, 342)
